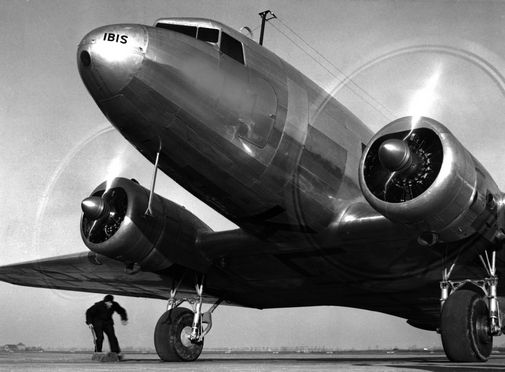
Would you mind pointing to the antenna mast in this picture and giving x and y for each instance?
(264, 19)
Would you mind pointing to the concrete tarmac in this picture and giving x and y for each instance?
(250, 362)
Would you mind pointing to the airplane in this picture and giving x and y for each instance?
(404, 221)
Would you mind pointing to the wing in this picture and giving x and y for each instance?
(89, 272)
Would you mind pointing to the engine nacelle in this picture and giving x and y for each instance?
(115, 224)
(419, 174)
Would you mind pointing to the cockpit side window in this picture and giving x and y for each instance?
(210, 35)
(186, 30)
(232, 47)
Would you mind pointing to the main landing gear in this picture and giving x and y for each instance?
(470, 315)
(179, 333)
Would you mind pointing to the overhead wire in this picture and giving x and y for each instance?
(353, 86)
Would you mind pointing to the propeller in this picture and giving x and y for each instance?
(102, 215)
(401, 166)
(87, 161)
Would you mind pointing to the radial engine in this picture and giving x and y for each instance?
(414, 171)
(116, 223)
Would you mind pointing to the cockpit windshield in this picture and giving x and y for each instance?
(210, 35)
(182, 29)
(227, 44)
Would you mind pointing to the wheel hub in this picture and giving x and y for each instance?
(185, 336)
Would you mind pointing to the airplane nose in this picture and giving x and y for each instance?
(109, 57)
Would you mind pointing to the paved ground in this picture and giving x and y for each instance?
(249, 362)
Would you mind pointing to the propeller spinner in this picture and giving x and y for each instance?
(95, 207)
(396, 156)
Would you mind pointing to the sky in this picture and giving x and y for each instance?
(382, 59)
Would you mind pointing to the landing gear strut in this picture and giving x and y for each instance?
(470, 315)
(180, 332)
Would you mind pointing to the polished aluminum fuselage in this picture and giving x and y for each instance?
(194, 103)
(270, 150)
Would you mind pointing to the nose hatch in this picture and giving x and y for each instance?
(109, 57)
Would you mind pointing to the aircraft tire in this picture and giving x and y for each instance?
(464, 327)
(170, 336)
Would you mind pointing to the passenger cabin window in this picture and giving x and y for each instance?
(232, 47)
(210, 35)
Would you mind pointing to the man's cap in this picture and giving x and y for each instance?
(108, 298)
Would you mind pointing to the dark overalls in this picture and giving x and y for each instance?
(101, 318)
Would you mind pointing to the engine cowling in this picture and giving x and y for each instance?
(114, 223)
(419, 174)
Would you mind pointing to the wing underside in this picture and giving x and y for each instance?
(89, 272)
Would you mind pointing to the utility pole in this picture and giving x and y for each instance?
(264, 19)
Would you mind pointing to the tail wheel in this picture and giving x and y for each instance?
(465, 327)
(171, 336)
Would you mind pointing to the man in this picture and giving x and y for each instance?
(99, 319)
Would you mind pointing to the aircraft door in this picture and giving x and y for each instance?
(257, 124)
(233, 100)
(247, 103)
